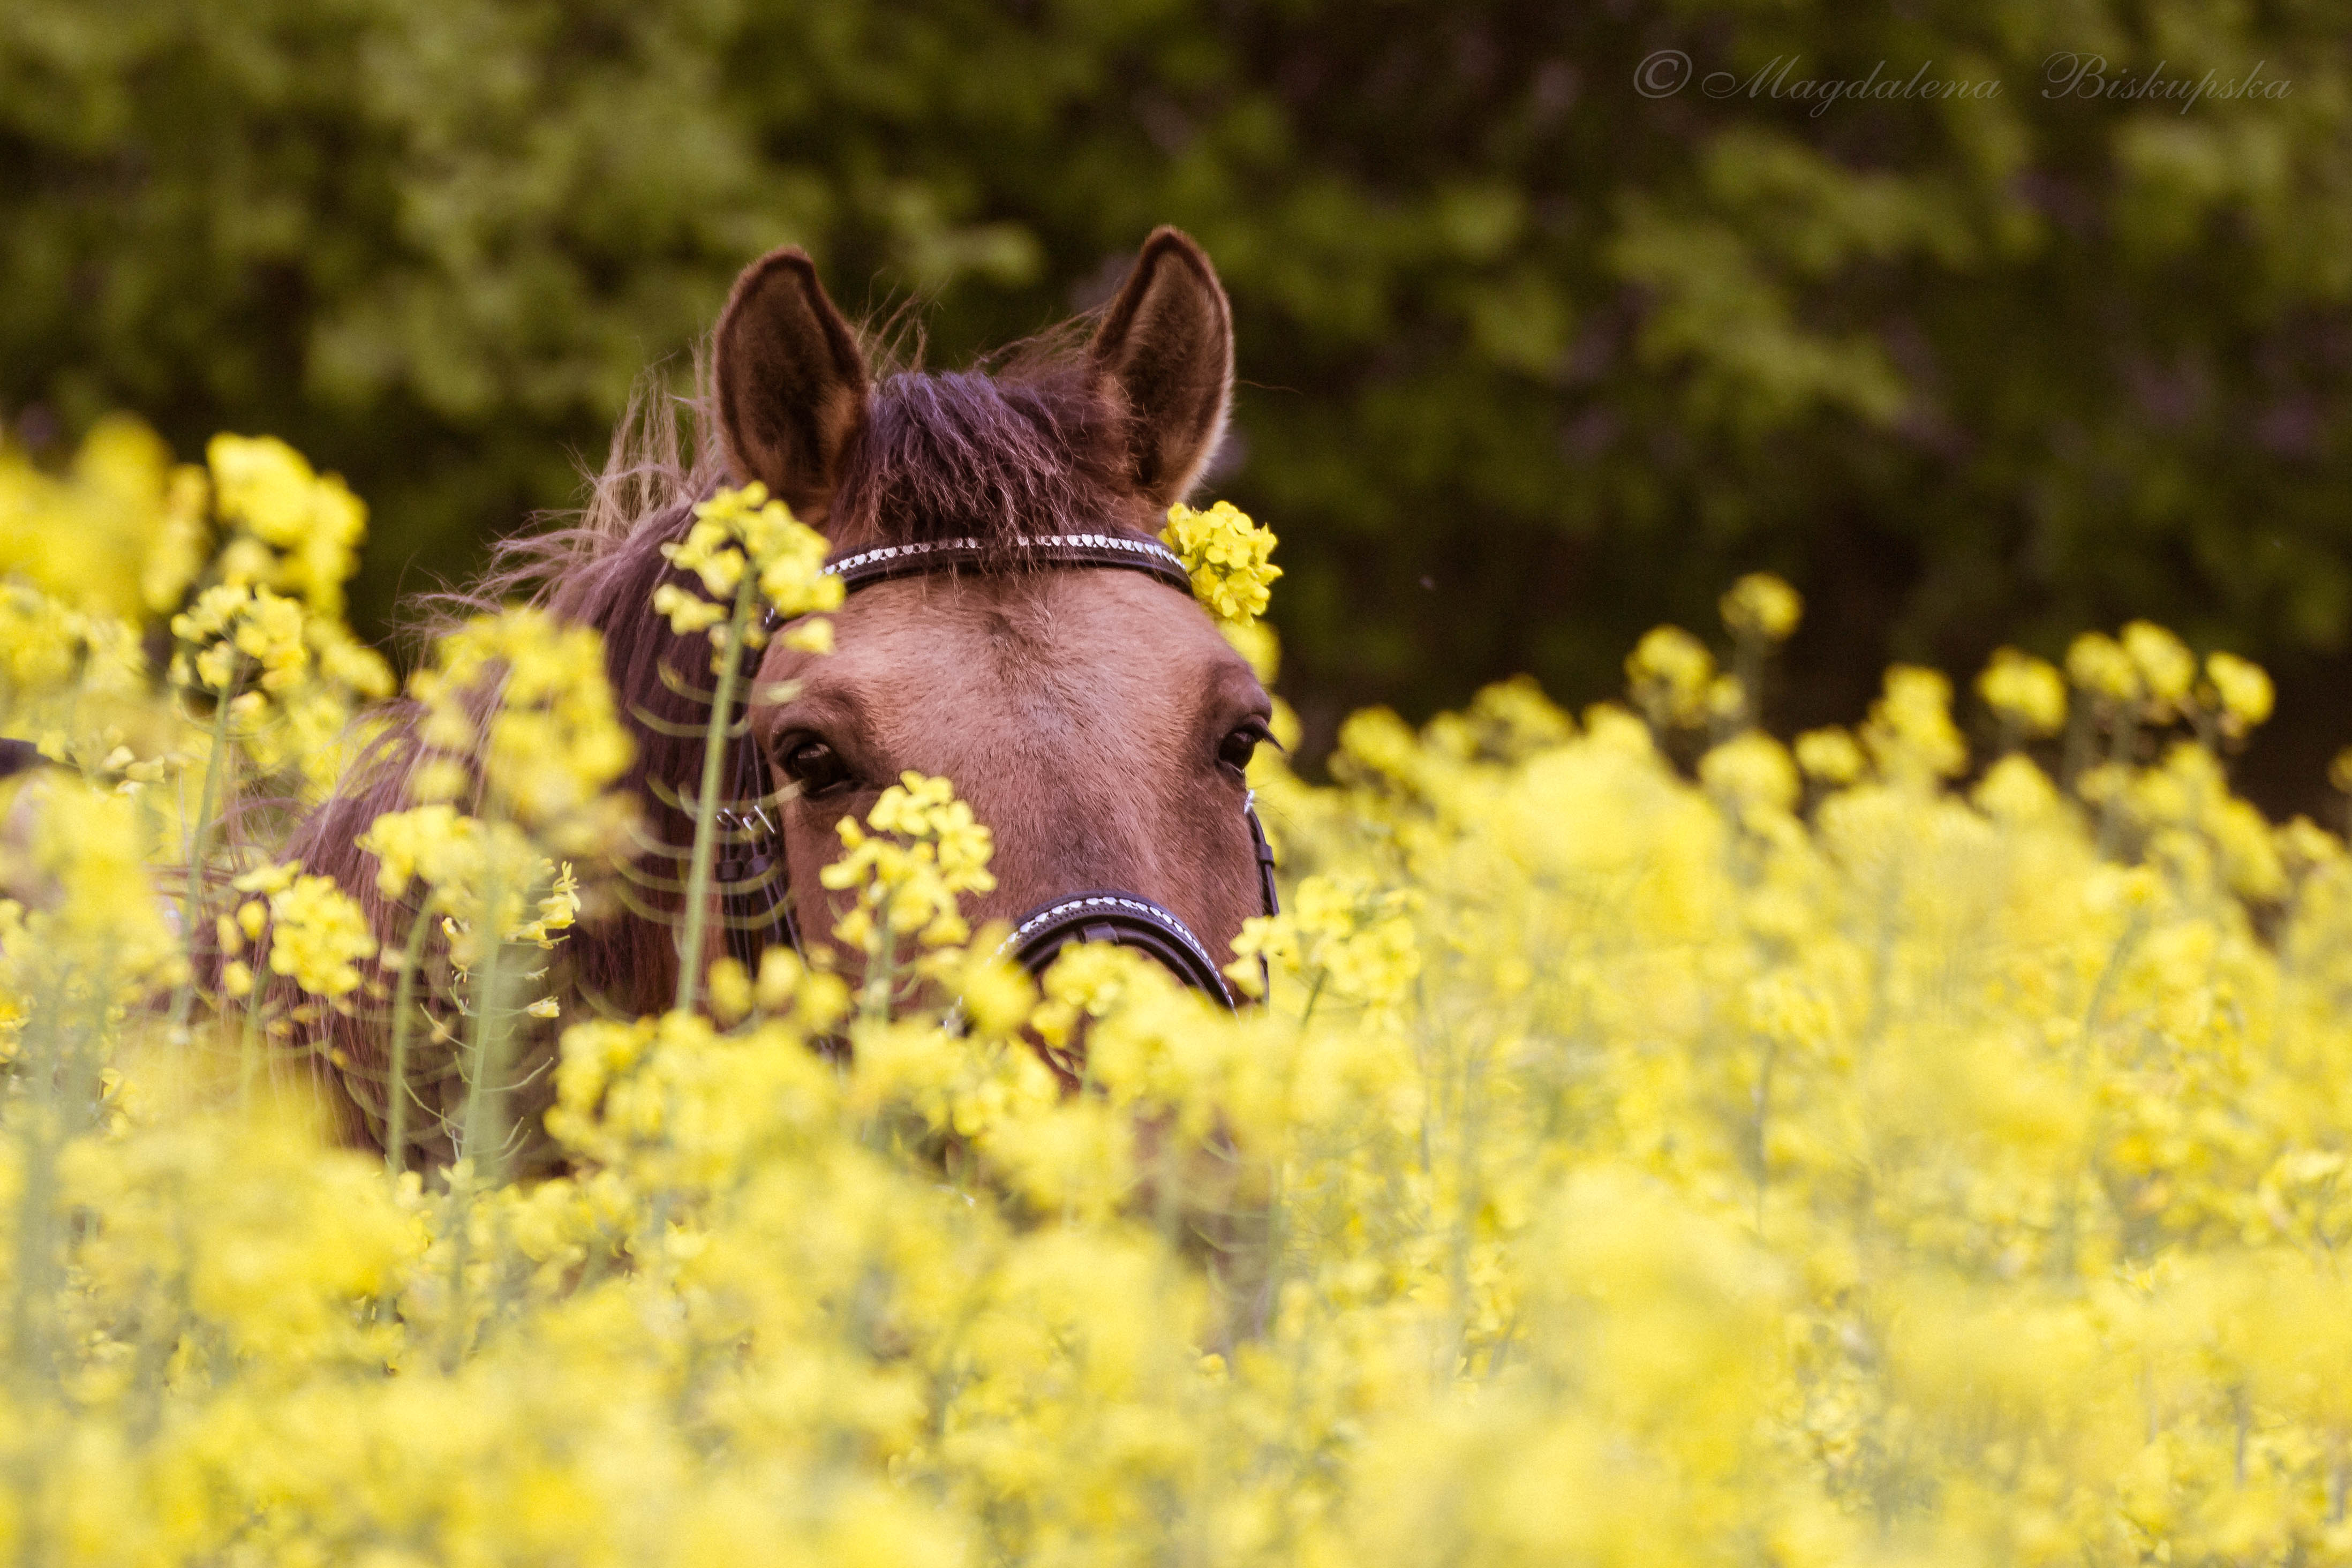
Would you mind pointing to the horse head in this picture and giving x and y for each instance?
(994, 635)
(1013, 625)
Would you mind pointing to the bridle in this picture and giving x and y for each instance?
(755, 892)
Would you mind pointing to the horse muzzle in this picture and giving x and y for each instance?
(1130, 919)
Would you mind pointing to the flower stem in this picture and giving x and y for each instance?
(484, 1129)
(706, 800)
(482, 1134)
(248, 1050)
(403, 1009)
(184, 995)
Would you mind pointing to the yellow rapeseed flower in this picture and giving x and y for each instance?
(1832, 755)
(1671, 673)
(521, 699)
(1763, 605)
(919, 848)
(2025, 691)
(743, 530)
(2166, 668)
(310, 522)
(2097, 664)
(317, 932)
(2241, 689)
(1231, 559)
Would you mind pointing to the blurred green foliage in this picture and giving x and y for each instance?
(1532, 359)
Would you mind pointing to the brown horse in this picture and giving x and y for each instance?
(1092, 716)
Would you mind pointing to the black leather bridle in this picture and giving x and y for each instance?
(755, 892)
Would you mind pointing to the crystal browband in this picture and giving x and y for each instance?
(885, 562)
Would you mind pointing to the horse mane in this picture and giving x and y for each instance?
(1030, 442)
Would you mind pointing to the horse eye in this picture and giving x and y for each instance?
(814, 765)
(1240, 745)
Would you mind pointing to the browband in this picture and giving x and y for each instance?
(885, 562)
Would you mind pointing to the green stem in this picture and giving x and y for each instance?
(36, 1122)
(1277, 1219)
(2065, 1222)
(31, 1363)
(2111, 810)
(706, 801)
(875, 1000)
(458, 1224)
(1749, 652)
(1314, 995)
(184, 995)
(249, 1049)
(403, 1009)
(482, 1130)
(480, 1138)
(1763, 1146)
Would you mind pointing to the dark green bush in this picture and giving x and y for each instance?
(1533, 360)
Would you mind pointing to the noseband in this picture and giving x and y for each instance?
(756, 902)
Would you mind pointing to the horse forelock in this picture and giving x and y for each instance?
(997, 458)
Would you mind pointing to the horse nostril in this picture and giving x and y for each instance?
(1123, 920)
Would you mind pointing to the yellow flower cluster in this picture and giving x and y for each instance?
(467, 863)
(80, 927)
(1911, 727)
(56, 661)
(738, 532)
(318, 933)
(286, 679)
(1231, 559)
(1672, 673)
(2150, 667)
(1356, 939)
(1672, 676)
(266, 635)
(1658, 1145)
(918, 849)
(121, 533)
(1762, 606)
(2027, 693)
(518, 701)
(1753, 777)
(2239, 691)
(297, 532)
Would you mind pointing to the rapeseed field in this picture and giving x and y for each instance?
(1660, 1144)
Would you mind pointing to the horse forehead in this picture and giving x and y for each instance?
(1084, 647)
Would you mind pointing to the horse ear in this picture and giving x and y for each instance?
(792, 381)
(1166, 343)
